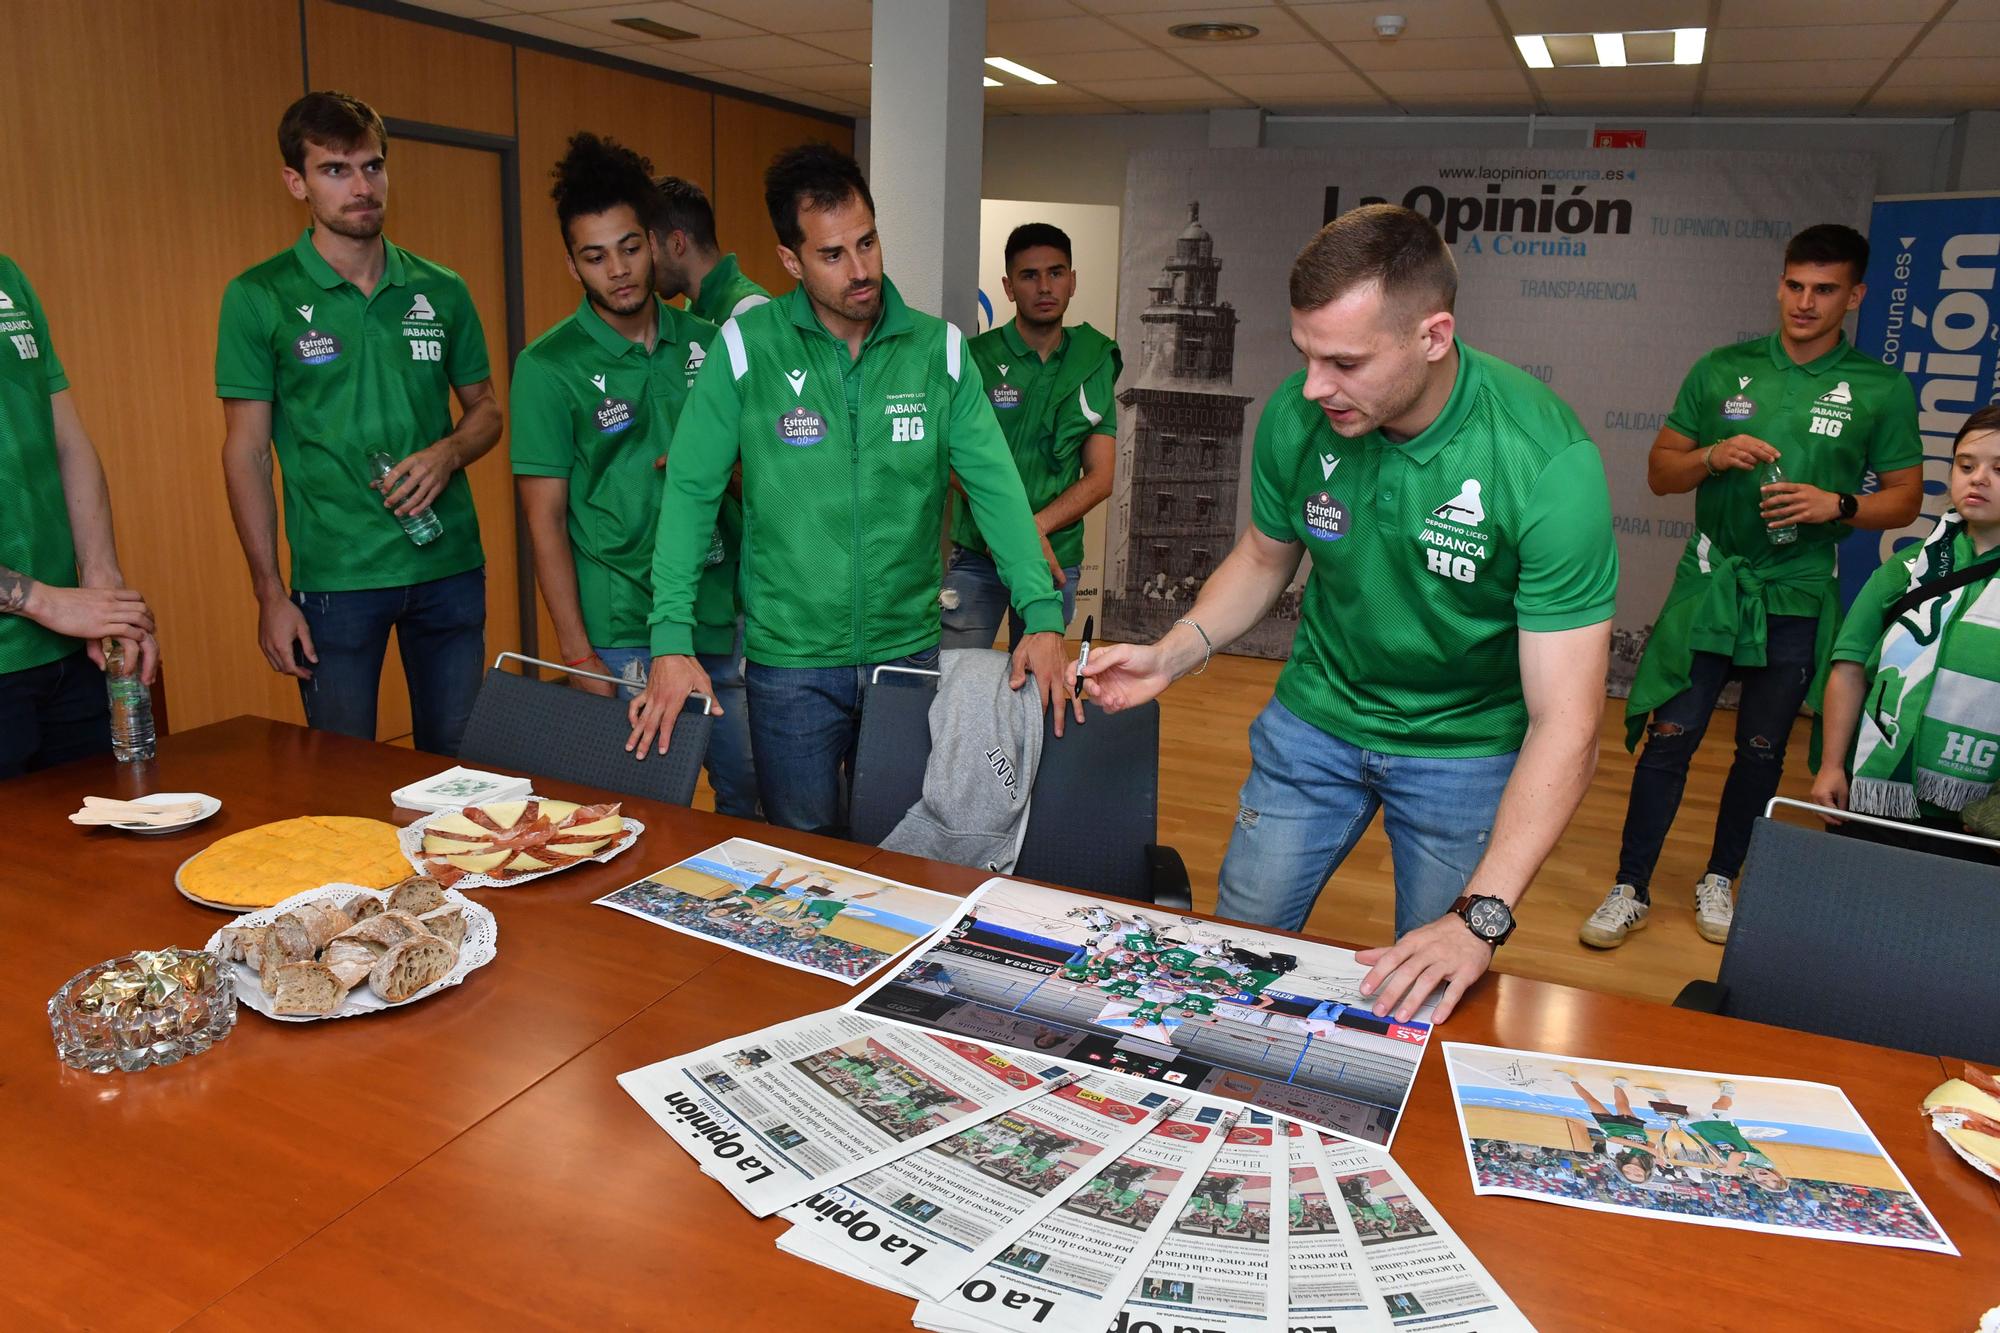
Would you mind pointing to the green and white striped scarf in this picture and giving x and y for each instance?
(1930, 727)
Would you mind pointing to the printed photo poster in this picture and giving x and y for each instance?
(791, 909)
(1200, 1006)
(1724, 1150)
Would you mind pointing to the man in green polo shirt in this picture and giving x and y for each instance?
(847, 411)
(1449, 662)
(1051, 390)
(594, 402)
(339, 348)
(1754, 596)
(59, 575)
(686, 261)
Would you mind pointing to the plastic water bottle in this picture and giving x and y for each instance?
(132, 739)
(1772, 475)
(422, 527)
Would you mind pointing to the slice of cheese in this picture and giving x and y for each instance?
(458, 824)
(477, 864)
(437, 842)
(558, 811)
(526, 864)
(596, 828)
(504, 814)
(579, 849)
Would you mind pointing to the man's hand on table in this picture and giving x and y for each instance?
(1401, 975)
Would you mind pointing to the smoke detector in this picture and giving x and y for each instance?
(1389, 25)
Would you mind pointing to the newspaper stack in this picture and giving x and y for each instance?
(999, 1191)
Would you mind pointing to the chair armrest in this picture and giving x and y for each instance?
(1706, 997)
(1167, 877)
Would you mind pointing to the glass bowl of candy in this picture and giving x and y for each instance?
(154, 1007)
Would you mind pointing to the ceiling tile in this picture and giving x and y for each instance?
(1141, 6)
(756, 53)
(1964, 72)
(1320, 86)
(1439, 85)
(847, 77)
(1961, 39)
(551, 30)
(1072, 65)
(1272, 24)
(1816, 101)
(1819, 13)
(849, 43)
(1797, 73)
(791, 16)
(1188, 87)
(1936, 99)
(1973, 11)
(1249, 58)
(1025, 41)
(659, 54)
(597, 17)
(1427, 20)
(1663, 89)
(1450, 102)
(1029, 96)
(1591, 16)
(1437, 53)
(1020, 11)
(469, 9)
(1190, 104)
(1858, 41)
(1318, 106)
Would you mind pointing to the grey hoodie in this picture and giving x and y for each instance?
(986, 743)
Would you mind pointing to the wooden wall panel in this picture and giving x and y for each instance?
(411, 71)
(747, 137)
(142, 175)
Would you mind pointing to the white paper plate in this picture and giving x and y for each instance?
(482, 940)
(411, 836)
(205, 805)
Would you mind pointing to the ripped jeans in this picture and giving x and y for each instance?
(1772, 695)
(1309, 798)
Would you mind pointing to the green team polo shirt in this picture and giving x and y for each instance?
(845, 463)
(346, 375)
(1045, 438)
(1429, 557)
(1830, 421)
(35, 535)
(590, 405)
(726, 293)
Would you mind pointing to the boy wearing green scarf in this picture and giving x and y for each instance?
(1051, 390)
(1912, 711)
(1754, 597)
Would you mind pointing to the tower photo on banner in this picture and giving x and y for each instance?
(1605, 274)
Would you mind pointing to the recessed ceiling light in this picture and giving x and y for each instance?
(1006, 66)
(1213, 32)
(1612, 50)
(659, 30)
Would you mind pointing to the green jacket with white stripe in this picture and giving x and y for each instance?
(845, 468)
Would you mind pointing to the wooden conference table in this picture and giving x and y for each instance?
(470, 1163)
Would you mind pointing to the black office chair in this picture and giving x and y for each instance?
(547, 729)
(1095, 815)
(1851, 939)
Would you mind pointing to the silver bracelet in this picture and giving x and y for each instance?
(1207, 646)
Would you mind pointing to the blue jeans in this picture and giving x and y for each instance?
(1770, 703)
(1309, 798)
(730, 770)
(804, 722)
(975, 599)
(440, 633)
(51, 714)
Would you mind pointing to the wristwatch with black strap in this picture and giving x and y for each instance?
(1487, 917)
(1848, 506)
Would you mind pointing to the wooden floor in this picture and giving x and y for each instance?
(1205, 755)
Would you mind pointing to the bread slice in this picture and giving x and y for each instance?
(352, 959)
(447, 923)
(363, 905)
(410, 966)
(416, 895)
(384, 930)
(306, 988)
(243, 944)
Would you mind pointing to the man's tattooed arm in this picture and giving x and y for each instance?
(15, 589)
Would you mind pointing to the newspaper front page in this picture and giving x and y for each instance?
(777, 1114)
(934, 1217)
(1221, 1268)
(1425, 1277)
(1328, 1293)
(1070, 1270)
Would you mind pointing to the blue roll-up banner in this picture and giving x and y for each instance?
(1932, 309)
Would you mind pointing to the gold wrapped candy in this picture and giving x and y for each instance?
(151, 1007)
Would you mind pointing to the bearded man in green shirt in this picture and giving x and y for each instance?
(337, 349)
(1754, 596)
(848, 411)
(686, 260)
(594, 402)
(1052, 391)
(1449, 664)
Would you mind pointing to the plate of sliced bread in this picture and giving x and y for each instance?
(340, 950)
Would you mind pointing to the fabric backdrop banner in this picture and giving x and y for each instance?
(1602, 273)
(1931, 309)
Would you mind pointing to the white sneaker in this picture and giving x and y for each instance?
(1714, 908)
(1617, 916)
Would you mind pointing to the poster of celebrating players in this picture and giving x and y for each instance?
(1202, 1006)
(791, 909)
(1759, 1154)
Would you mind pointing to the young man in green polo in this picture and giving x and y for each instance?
(847, 411)
(1052, 392)
(61, 591)
(594, 402)
(1754, 596)
(686, 261)
(1449, 662)
(340, 348)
